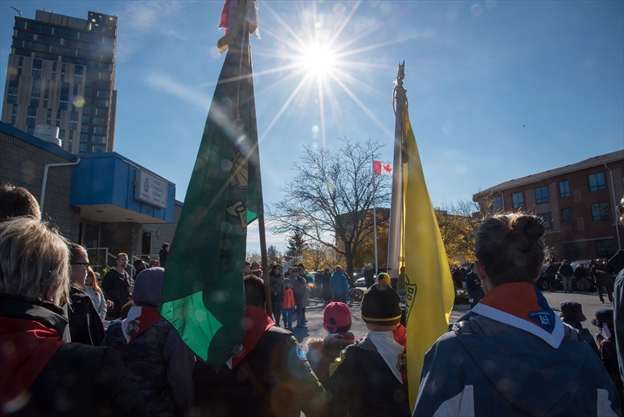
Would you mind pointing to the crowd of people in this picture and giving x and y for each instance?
(510, 355)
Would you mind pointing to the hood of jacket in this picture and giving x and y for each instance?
(30, 334)
(506, 356)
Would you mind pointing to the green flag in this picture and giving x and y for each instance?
(203, 294)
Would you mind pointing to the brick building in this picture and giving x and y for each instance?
(577, 202)
(104, 201)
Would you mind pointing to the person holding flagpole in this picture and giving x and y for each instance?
(512, 355)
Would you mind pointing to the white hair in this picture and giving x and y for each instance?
(34, 260)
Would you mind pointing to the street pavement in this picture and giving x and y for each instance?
(314, 313)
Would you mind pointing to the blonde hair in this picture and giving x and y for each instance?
(93, 277)
(34, 260)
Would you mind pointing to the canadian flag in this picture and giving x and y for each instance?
(382, 168)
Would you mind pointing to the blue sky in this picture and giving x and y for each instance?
(497, 90)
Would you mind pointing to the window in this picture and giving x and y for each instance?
(58, 117)
(30, 116)
(564, 188)
(596, 182)
(541, 195)
(73, 120)
(497, 203)
(49, 117)
(35, 92)
(98, 139)
(604, 248)
(12, 91)
(517, 199)
(99, 130)
(546, 220)
(600, 211)
(46, 97)
(64, 96)
(36, 71)
(14, 114)
(566, 217)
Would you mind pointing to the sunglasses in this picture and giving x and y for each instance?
(86, 265)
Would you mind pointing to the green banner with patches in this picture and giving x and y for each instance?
(203, 294)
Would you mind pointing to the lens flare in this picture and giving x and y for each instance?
(79, 101)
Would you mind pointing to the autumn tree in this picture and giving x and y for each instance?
(318, 257)
(458, 223)
(331, 196)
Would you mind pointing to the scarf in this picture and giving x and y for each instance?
(391, 346)
(523, 306)
(27, 346)
(139, 319)
(256, 323)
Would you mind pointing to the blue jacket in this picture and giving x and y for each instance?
(339, 283)
(618, 316)
(473, 371)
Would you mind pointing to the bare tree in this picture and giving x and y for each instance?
(330, 198)
(254, 256)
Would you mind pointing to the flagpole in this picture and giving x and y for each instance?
(265, 262)
(374, 213)
(396, 206)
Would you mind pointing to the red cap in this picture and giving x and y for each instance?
(335, 316)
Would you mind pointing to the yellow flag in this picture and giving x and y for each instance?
(428, 285)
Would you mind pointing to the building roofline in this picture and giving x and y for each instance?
(33, 140)
(96, 155)
(587, 163)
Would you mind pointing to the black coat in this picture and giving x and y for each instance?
(274, 379)
(85, 324)
(116, 288)
(78, 380)
(363, 385)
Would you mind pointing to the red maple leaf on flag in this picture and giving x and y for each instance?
(381, 168)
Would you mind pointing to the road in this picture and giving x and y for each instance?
(314, 313)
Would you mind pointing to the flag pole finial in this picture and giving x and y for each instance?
(400, 74)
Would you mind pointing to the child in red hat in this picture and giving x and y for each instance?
(323, 351)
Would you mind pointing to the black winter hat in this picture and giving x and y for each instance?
(603, 316)
(380, 305)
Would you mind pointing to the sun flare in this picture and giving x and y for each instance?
(318, 59)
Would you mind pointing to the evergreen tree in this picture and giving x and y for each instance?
(296, 245)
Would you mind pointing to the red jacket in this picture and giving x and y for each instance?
(289, 298)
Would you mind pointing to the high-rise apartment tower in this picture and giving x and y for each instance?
(61, 72)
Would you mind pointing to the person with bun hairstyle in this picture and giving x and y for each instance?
(511, 355)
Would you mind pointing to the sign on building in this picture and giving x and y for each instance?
(150, 189)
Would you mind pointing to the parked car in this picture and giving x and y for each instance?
(360, 282)
(585, 263)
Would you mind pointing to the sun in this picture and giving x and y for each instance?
(318, 59)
